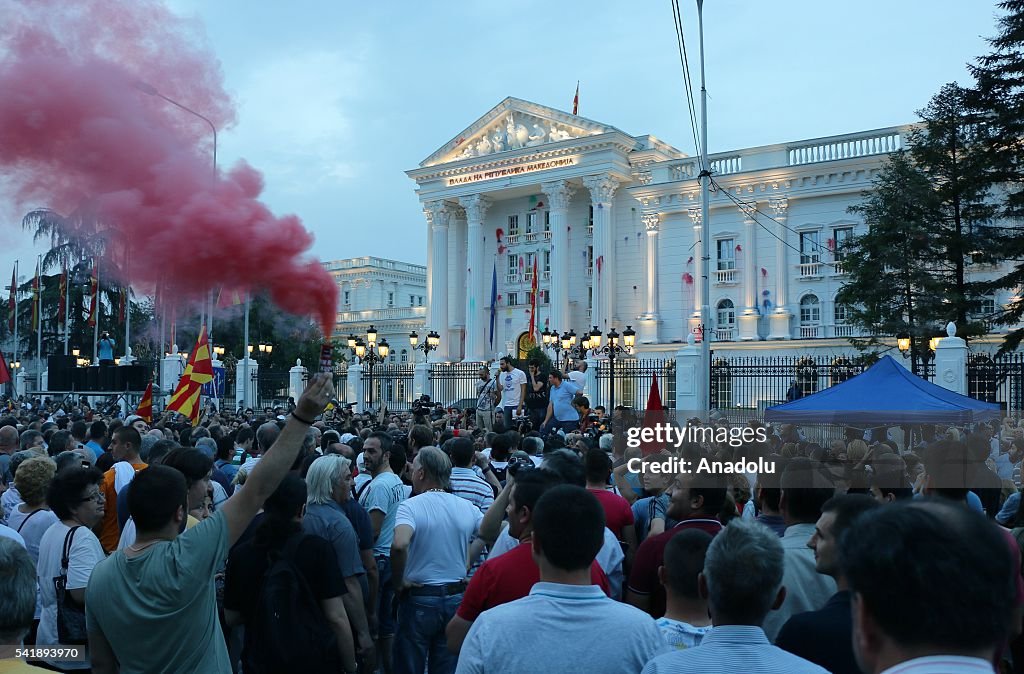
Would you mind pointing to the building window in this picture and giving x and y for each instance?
(547, 221)
(590, 297)
(405, 356)
(513, 264)
(726, 254)
(590, 215)
(391, 357)
(531, 222)
(810, 311)
(841, 313)
(391, 299)
(348, 297)
(513, 299)
(726, 314)
(590, 257)
(530, 257)
(421, 300)
(810, 248)
(547, 260)
(513, 225)
(841, 237)
(412, 300)
(545, 296)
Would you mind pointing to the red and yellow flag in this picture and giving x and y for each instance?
(62, 303)
(145, 408)
(198, 371)
(94, 292)
(229, 298)
(12, 303)
(576, 99)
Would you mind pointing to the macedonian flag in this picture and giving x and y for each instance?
(198, 371)
(145, 408)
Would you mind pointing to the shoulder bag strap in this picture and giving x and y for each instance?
(359, 494)
(25, 521)
(69, 539)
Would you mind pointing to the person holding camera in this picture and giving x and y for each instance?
(561, 413)
(105, 349)
(485, 390)
(536, 395)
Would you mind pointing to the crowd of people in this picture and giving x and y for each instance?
(504, 539)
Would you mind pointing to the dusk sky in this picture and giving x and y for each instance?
(337, 99)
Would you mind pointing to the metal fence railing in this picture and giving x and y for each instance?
(390, 385)
(632, 383)
(454, 384)
(997, 378)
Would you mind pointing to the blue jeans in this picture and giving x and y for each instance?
(420, 642)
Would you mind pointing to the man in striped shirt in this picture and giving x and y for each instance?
(465, 482)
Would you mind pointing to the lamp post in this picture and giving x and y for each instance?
(370, 353)
(253, 376)
(550, 341)
(613, 349)
(431, 343)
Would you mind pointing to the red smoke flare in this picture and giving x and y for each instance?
(76, 134)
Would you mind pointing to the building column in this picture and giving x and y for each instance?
(748, 319)
(648, 321)
(602, 190)
(698, 269)
(780, 315)
(438, 215)
(559, 193)
(476, 302)
(456, 284)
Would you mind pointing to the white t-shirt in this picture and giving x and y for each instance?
(86, 553)
(578, 378)
(510, 387)
(443, 525)
(33, 526)
(7, 532)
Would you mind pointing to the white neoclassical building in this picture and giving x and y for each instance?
(387, 294)
(612, 222)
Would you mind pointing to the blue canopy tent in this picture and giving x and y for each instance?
(885, 394)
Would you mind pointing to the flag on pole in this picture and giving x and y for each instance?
(145, 408)
(229, 298)
(35, 300)
(533, 304)
(576, 99)
(94, 291)
(198, 371)
(122, 308)
(494, 301)
(62, 302)
(12, 303)
(654, 416)
(5, 373)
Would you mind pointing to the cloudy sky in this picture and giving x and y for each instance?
(337, 99)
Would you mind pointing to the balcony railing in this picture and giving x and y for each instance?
(531, 237)
(842, 330)
(846, 148)
(809, 269)
(545, 276)
(546, 235)
(512, 278)
(726, 276)
(725, 334)
(810, 331)
(590, 230)
(590, 272)
(513, 239)
(381, 314)
(839, 268)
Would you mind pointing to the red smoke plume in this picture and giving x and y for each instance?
(78, 131)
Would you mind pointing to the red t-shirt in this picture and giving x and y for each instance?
(643, 579)
(617, 513)
(509, 577)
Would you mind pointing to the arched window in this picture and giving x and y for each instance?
(726, 324)
(810, 316)
(405, 356)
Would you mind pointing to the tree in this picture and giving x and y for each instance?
(998, 100)
(891, 289)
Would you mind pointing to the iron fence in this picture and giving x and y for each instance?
(997, 378)
(633, 379)
(743, 387)
(454, 384)
(388, 384)
(271, 387)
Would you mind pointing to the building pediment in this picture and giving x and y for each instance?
(512, 125)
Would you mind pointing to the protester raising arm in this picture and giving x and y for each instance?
(268, 473)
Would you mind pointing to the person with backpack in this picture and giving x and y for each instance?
(286, 588)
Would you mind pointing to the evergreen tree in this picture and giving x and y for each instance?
(998, 100)
(892, 288)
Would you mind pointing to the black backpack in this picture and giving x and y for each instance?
(289, 630)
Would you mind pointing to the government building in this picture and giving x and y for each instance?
(610, 222)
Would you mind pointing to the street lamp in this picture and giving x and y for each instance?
(370, 353)
(613, 349)
(903, 343)
(431, 343)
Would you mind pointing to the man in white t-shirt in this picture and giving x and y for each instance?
(513, 390)
(578, 376)
(433, 530)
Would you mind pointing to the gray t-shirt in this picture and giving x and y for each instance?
(330, 522)
(158, 610)
(384, 494)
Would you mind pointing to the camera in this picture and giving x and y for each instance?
(520, 460)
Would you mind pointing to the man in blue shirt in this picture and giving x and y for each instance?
(561, 414)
